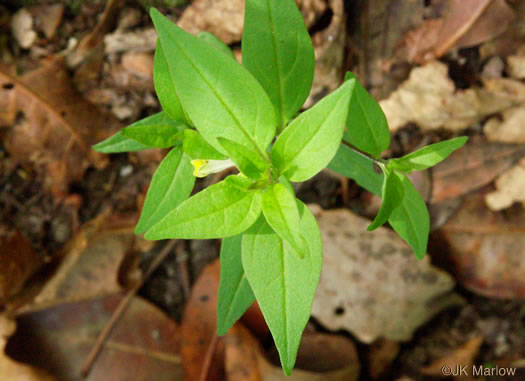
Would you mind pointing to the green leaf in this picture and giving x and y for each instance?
(283, 283)
(277, 50)
(392, 195)
(280, 209)
(411, 220)
(427, 156)
(283, 180)
(119, 143)
(158, 130)
(198, 148)
(235, 293)
(163, 80)
(172, 183)
(248, 161)
(216, 42)
(357, 167)
(311, 140)
(221, 210)
(219, 95)
(366, 125)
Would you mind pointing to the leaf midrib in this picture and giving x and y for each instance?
(228, 110)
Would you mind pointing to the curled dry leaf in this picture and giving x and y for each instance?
(371, 284)
(90, 267)
(48, 17)
(461, 357)
(241, 350)
(429, 99)
(145, 342)
(471, 167)
(381, 354)
(18, 261)
(487, 248)
(55, 127)
(22, 28)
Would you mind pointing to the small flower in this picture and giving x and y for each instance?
(202, 168)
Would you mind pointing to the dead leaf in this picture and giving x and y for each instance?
(48, 16)
(461, 357)
(240, 355)
(381, 354)
(225, 18)
(508, 130)
(472, 22)
(516, 66)
(487, 248)
(509, 188)
(142, 40)
(371, 284)
(140, 64)
(202, 352)
(22, 28)
(10, 369)
(429, 99)
(56, 127)
(145, 342)
(471, 167)
(90, 267)
(18, 261)
(320, 357)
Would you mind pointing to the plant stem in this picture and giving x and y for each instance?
(356, 150)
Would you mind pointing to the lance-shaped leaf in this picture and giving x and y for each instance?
(410, 220)
(277, 50)
(311, 140)
(219, 95)
(221, 210)
(198, 148)
(392, 194)
(216, 42)
(366, 125)
(119, 143)
(163, 81)
(235, 293)
(280, 210)
(250, 163)
(172, 183)
(158, 130)
(427, 156)
(283, 283)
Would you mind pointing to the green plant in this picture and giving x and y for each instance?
(218, 114)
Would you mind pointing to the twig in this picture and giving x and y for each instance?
(123, 305)
(208, 358)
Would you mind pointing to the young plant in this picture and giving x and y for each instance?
(219, 114)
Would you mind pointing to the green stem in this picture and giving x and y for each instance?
(379, 162)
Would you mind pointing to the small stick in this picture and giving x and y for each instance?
(122, 307)
(208, 358)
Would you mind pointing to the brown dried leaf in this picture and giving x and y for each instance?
(57, 126)
(371, 284)
(471, 167)
(241, 355)
(516, 66)
(320, 357)
(18, 261)
(508, 130)
(461, 357)
(487, 248)
(381, 354)
(202, 351)
(90, 267)
(48, 17)
(143, 345)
